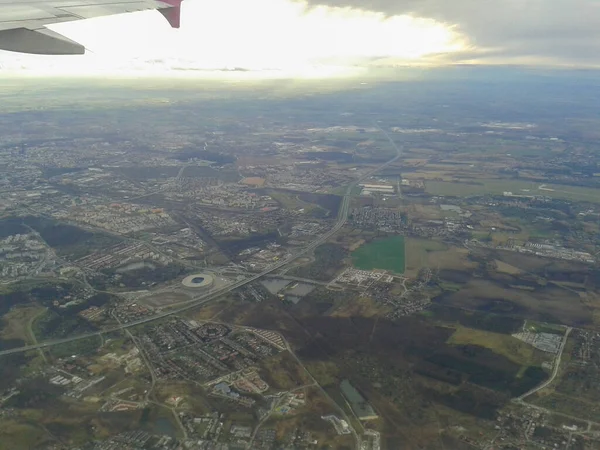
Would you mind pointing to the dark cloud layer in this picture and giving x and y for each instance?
(552, 31)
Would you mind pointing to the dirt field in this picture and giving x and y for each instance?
(435, 255)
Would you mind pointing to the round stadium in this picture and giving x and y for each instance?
(199, 280)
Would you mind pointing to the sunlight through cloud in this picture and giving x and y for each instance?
(262, 35)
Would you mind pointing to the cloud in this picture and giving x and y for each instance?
(288, 36)
(325, 37)
(561, 32)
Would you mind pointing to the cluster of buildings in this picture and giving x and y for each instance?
(340, 425)
(93, 313)
(587, 347)
(205, 429)
(224, 223)
(184, 243)
(224, 390)
(120, 255)
(540, 249)
(377, 218)
(181, 349)
(342, 129)
(217, 193)
(257, 259)
(363, 278)
(383, 189)
(529, 427)
(121, 218)
(547, 342)
(251, 383)
(137, 439)
(215, 432)
(371, 440)
(304, 229)
(412, 300)
(556, 251)
(75, 385)
(23, 255)
(252, 292)
(130, 361)
(126, 312)
(288, 402)
(265, 439)
(303, 176)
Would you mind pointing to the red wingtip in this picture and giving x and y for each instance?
(172, 13)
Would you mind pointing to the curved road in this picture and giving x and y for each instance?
(205, 298)
(554, 372)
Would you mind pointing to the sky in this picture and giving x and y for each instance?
(315, 38)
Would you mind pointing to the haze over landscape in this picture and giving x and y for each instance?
(319, 225)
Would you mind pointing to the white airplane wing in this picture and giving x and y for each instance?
(22, 22)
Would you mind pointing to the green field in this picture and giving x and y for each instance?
(386, 254)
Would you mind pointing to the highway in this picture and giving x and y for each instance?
(214, 294)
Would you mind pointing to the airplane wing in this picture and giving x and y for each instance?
(22, 22)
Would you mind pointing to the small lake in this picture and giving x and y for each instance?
(274, 285)
(164, 426)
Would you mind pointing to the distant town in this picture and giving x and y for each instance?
(408, 270)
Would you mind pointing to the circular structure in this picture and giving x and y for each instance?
(199, 280)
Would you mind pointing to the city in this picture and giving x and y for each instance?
(235, 278)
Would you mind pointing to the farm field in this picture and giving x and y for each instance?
(385, 254)
(420, 253)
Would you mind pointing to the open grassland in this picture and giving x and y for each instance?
(430, 176)
(428, 212)
(503, 344)
(434, 254)
(565, 404)
(325, 372)
(418, 251)
(386, 254)
(17, 322)
(548, 303)
(291, 201)
(517, 187)
(503, 267)
(283, 372)
(15, 435)
(361, 307)
(539, 327)
(320, 430)
(212, 310)
(165, 299)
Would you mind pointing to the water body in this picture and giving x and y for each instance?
(274, 285)
(164, 426)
